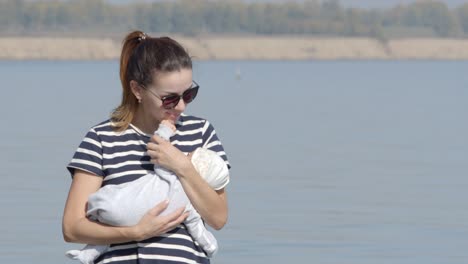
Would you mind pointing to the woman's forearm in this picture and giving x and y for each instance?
(84, 231)
(76, 227)
(210, 204)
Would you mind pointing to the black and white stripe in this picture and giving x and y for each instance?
(121, 157)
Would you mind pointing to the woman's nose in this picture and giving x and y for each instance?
(180, 106)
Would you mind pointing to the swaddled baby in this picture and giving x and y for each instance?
(125, 204)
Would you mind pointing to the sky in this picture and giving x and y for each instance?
(347, 3)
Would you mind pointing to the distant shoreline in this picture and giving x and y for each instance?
(243, 48)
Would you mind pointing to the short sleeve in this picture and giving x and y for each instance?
(88, 156)
(212, 142)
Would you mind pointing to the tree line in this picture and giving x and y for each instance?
(193, 17)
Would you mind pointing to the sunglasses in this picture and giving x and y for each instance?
(171, 101)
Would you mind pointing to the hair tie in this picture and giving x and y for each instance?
(142, 36)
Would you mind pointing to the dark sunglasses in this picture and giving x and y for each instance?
(171, 101)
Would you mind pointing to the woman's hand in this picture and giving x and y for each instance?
(152, 224)
(163, 153)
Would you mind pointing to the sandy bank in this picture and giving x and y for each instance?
(239, 48)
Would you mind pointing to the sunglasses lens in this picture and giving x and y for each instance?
(190, 94)
(171, 101)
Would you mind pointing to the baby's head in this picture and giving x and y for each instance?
(211, 168)
(208, 164)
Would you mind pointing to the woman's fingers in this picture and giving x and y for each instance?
(159, 208)
(153, 224)
(155, 151)
(175, 218)
(157, 139)
(174, 215)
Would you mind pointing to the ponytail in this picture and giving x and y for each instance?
(123, 115)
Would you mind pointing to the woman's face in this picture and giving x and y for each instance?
(169, 83)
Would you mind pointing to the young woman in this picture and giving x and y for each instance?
(156, 75)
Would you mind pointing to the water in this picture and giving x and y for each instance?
(333, 162)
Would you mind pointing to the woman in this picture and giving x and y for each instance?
(156, 75)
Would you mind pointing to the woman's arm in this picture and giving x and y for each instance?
(210, 204)
(77, 228)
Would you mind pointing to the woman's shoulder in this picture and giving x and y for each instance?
(187, 117)
(191, 121)
(103, 129)
(103, 126)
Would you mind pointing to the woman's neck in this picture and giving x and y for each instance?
(146, 125)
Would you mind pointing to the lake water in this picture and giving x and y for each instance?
(343, 162)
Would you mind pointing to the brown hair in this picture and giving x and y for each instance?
(142, 57)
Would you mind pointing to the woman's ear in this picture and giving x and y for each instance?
(136, 90)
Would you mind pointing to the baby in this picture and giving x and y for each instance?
(125, 204)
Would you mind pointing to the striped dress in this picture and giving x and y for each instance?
(121, 157)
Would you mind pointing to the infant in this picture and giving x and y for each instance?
(125, 204)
